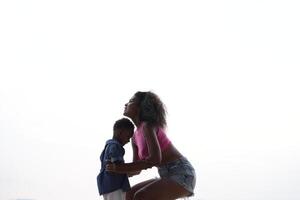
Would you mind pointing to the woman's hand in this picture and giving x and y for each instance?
(111, 167)
(124, 168)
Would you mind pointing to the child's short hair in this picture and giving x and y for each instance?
(123, 123)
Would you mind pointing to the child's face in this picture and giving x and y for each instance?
(125, 136)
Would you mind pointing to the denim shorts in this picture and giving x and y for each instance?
(181, 171)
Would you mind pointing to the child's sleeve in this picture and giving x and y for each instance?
(114, 154)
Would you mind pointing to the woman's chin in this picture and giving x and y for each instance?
(127, 115)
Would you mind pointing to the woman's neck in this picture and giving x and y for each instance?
(137, 122)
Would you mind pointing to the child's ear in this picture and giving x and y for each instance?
(117, 132)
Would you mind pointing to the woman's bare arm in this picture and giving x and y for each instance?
(155, 155)
(135, 158)
(133, 167)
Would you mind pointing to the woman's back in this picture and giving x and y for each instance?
(170, 154)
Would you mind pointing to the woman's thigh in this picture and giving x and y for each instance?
(135, 188)
(161, 189)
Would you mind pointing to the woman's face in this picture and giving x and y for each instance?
(131, 108)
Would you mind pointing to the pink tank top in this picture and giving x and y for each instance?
(139, 140)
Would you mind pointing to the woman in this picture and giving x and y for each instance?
(151, 147)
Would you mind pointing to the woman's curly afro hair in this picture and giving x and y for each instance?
(152, 109)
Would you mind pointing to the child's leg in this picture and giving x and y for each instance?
(115, 195)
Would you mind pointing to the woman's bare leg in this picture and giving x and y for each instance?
(161, 189)
(132, 191)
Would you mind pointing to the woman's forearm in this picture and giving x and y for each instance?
(131, 167)
(131, 174)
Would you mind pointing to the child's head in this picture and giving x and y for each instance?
(123, 130)
(146, 106)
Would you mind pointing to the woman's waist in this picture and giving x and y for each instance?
(181, 166)
(169, 155)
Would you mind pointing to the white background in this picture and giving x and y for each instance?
(228, 72)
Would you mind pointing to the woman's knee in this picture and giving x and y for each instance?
(129, 195)
(142, 195)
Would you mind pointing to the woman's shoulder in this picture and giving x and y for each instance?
(149, 127)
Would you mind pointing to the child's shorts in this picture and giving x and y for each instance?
(181, 171)
(115, 195)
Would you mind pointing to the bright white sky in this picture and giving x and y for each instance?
(228, 72)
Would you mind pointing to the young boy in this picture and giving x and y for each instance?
(112, 185)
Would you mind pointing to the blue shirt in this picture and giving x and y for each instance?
(108, 181)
